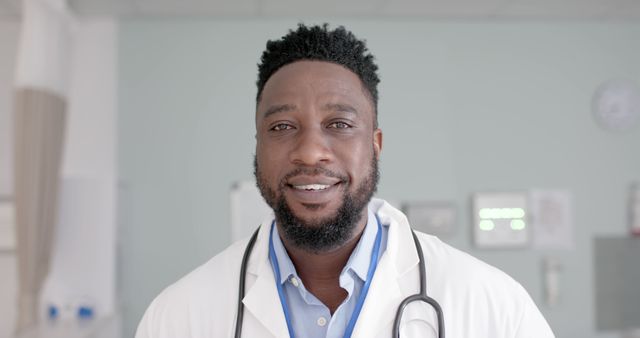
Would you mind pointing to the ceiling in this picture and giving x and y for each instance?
(428, 9)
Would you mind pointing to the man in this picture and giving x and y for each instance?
(334, 262)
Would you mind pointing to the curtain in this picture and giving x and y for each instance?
(39, 134)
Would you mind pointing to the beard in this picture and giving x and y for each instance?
(321, 234)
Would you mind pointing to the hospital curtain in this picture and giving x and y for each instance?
(39, 115)
(39, 131)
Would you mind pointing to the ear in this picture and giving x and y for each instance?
(377, 142)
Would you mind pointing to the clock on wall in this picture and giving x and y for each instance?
(616, 105)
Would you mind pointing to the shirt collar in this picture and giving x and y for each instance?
(358, 261)
(361, 256)
(287, 268)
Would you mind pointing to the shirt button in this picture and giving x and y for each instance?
(294, 281)
(322, 321)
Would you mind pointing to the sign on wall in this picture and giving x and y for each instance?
(248, 209)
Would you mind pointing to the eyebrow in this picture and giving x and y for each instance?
(278, 109)
(341, 107)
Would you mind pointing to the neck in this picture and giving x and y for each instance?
(320, 272)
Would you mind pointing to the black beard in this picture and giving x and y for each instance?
(326, 234)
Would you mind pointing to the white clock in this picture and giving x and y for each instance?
(616, 105)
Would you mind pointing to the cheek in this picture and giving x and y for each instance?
(357, 159)
(268, 161)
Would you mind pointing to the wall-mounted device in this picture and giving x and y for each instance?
(634, 209)
(552, 268)
(500, 220)
(616, 105)
(434, 218)
(616, 270)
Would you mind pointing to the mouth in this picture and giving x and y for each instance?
(311, 187)
(311, 191)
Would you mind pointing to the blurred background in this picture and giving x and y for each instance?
(511, 130)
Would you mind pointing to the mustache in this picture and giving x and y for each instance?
(312, 171)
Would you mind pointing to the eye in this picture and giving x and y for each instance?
(339, 125)
(281, 127)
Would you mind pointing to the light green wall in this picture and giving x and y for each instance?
(464, 107)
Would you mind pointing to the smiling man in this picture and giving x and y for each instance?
(334, 262)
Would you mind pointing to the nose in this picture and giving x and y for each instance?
(312, 148)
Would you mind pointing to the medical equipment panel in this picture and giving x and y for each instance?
(500, 220)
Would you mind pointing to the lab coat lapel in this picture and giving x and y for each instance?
(398, 259)
(261, 298)
(381, 302)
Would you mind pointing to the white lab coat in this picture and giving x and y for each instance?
(477, 299)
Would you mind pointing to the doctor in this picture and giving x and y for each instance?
(334, 262)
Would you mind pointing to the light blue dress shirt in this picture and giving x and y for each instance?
(309, 316)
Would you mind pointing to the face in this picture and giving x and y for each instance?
(317, 151)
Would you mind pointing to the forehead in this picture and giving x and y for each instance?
(316, 81)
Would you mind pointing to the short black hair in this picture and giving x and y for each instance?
(338, 46)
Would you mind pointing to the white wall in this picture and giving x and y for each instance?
(8, 46)
(89, 156)
(465, 107)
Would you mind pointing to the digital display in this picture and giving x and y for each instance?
(500, 220)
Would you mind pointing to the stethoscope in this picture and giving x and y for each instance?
(419, 297)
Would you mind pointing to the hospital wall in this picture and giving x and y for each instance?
(464, 106)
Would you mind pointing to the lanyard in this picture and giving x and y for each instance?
(373, 264)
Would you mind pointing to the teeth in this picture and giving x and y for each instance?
(311, 187)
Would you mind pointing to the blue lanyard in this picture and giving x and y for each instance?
(373, 264)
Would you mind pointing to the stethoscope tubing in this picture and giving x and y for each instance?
(241, 284)
(421, 297)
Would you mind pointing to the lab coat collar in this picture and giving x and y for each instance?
(400, 246)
